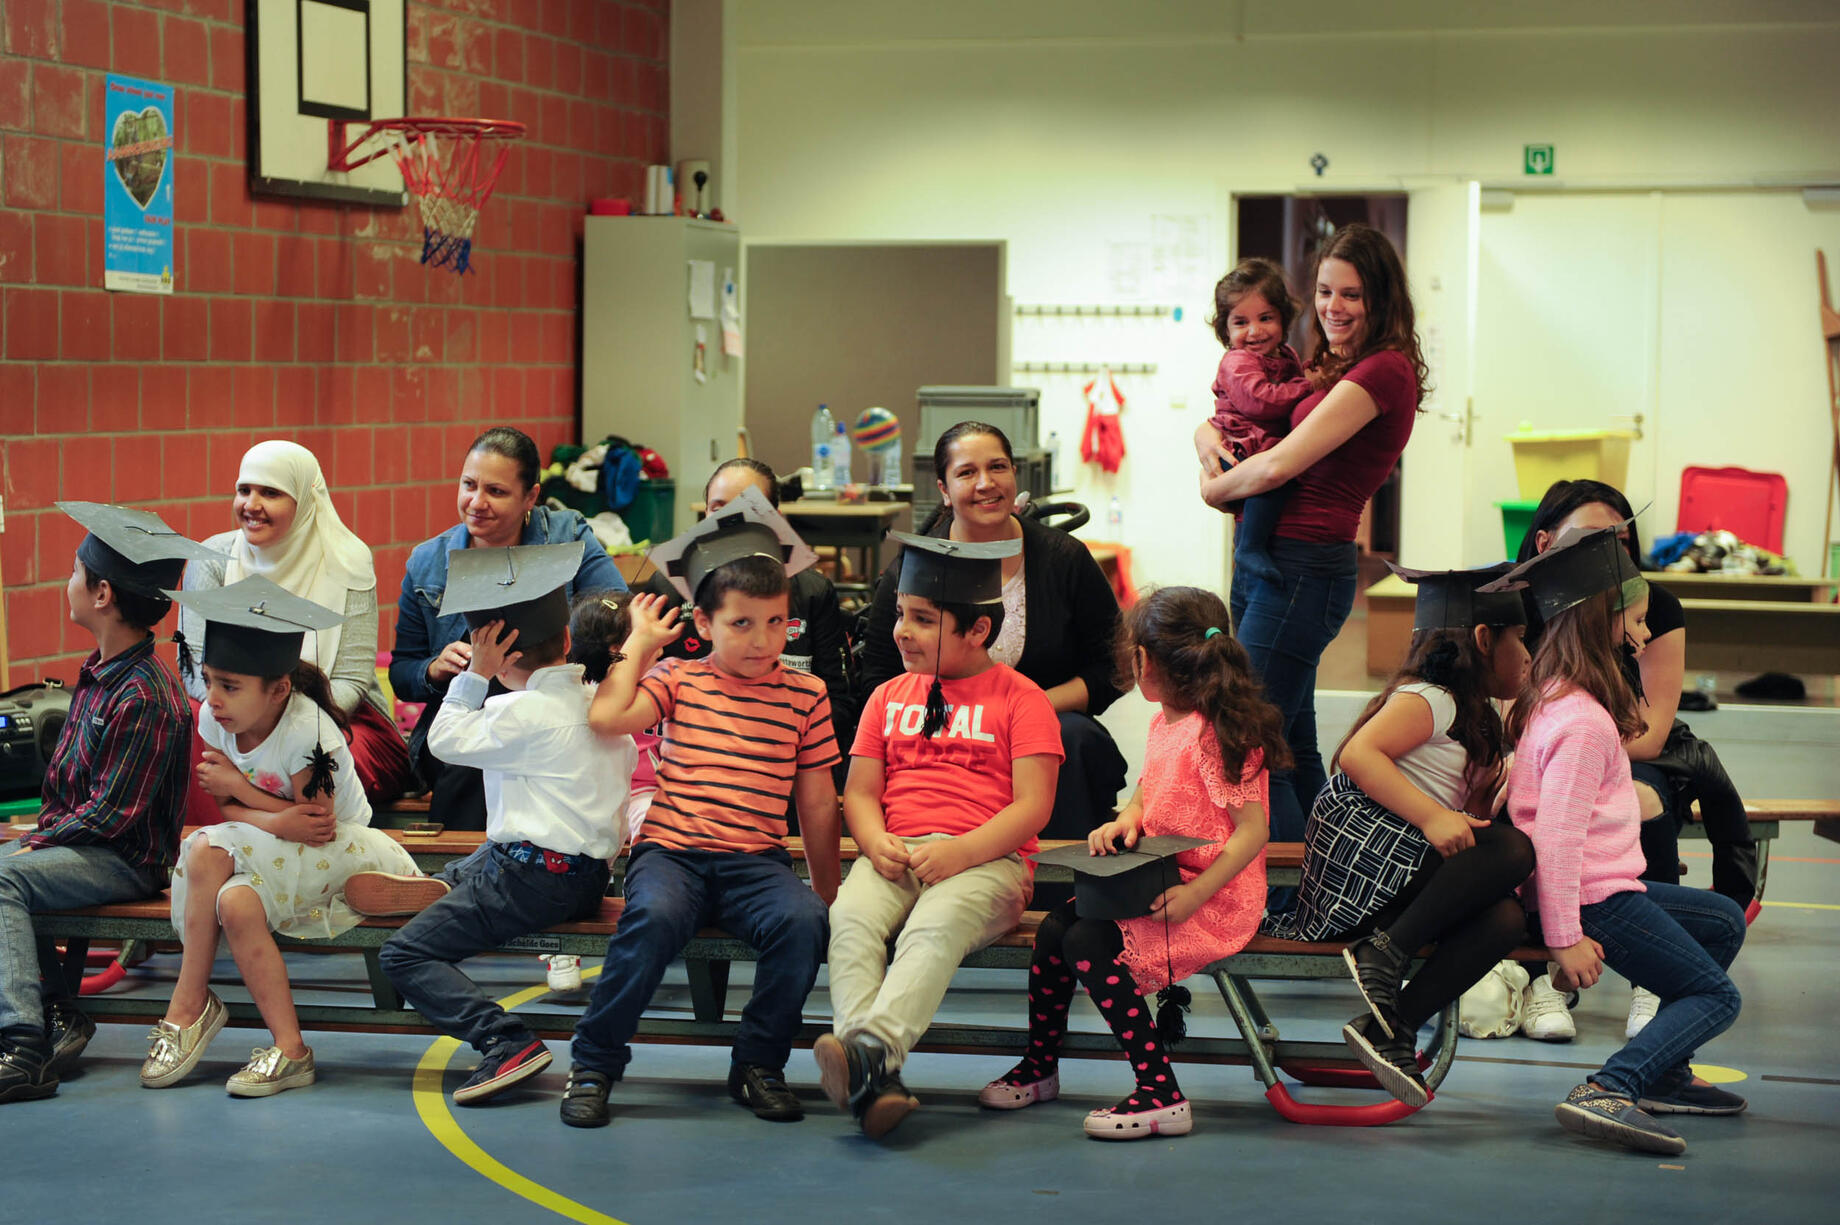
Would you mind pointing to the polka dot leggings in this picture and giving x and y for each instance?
(1068, 947)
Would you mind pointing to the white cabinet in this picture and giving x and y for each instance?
(638, 364)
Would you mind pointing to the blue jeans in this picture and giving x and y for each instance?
(1284, 626)
(1678, 943)
(493, 898)
(669, 895)
(53, 878)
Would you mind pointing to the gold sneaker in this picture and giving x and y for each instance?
(174, 1051)
(268, 1072)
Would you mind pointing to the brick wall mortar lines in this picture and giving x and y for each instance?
(589, 79)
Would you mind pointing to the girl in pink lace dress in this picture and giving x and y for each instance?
(1205, 777)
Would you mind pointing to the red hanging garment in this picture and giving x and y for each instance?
(1102, 442)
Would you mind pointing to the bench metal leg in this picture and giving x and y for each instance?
(1240, 998)
(383, 991)
(708, 987)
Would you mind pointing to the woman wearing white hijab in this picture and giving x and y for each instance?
(289, 532)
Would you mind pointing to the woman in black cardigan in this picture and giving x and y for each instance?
(1059, 619)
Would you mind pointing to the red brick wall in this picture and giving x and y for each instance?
(292, 319)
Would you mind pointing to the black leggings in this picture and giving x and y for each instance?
(1466, 905)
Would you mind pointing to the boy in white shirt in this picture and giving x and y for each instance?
(555, 807)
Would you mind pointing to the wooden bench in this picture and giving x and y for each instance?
(711, 953)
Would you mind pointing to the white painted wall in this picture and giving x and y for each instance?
(1065, 127)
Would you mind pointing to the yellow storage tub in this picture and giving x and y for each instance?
(1544, 456)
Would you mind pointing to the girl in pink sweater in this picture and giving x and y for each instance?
(1570, 791)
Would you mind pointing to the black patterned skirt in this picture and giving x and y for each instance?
(1357, 856)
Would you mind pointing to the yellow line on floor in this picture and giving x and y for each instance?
(431, 1105)
(1805, 905)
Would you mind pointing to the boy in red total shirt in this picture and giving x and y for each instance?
(951, 777)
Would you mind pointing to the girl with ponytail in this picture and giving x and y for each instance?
(1398, 850)
(1204, 777)
(295, 826)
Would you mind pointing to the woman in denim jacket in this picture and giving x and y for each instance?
(498, 508)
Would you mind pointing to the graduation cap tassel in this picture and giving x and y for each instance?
(1631, 667)
(188, 666)
(1172, 1001)
(319, 776)
(935, 709)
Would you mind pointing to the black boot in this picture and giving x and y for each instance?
(25, 1069)
(68, 1031)
(1378, 968)
(1393, 1061)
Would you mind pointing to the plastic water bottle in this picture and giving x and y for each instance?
(1054, 453)
(1114, 521)
(823, 435)
(840, 456)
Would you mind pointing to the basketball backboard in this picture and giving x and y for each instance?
(311, 61)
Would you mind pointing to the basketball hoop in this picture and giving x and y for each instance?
(451, 165)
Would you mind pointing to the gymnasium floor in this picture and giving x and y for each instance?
(364, 1146)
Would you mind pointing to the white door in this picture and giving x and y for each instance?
(1442, 223)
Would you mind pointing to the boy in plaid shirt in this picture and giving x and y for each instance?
(114, 795)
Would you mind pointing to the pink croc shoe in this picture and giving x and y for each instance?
(1002, 1095)
(1123, 1123)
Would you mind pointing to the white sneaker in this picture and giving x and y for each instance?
(564, 971)
(1544, 1015)
(1492, 1008)
(1642, 1008)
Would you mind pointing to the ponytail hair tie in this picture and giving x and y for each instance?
(1212, 630)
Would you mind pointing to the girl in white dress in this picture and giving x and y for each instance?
(297, 824)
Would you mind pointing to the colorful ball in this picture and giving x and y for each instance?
(876, 430)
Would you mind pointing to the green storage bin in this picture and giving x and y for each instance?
(1516, 518)
(652, 511)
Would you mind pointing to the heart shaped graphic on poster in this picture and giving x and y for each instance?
(140, 172)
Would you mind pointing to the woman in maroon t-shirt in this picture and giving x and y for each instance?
(1343, 441)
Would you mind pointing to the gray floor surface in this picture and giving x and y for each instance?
(353, 1149)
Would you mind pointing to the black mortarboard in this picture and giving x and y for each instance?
(524, 586)
(953, 571)
(1450, 599)
(746, 527)
(255, 627)
(135, 550)
(1122, 886)
(1582, 563)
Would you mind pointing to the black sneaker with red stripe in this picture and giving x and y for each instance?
(504, 1065)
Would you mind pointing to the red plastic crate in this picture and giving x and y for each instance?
(1750, 505)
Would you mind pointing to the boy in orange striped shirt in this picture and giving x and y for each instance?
(743, 734)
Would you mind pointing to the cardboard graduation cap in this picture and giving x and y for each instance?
(745, 527)
(953, 571)
(255, 627)
(135, 550)
(1582, 563)
(1451, 599)
(525, 586)
(1122, 886)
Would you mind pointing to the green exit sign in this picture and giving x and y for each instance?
(1538, 159)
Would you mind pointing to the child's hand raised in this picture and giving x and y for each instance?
(888, 854)
(1450, 832)
(492, 651)
(312, 824)
(654, 623)
(1104, 840)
